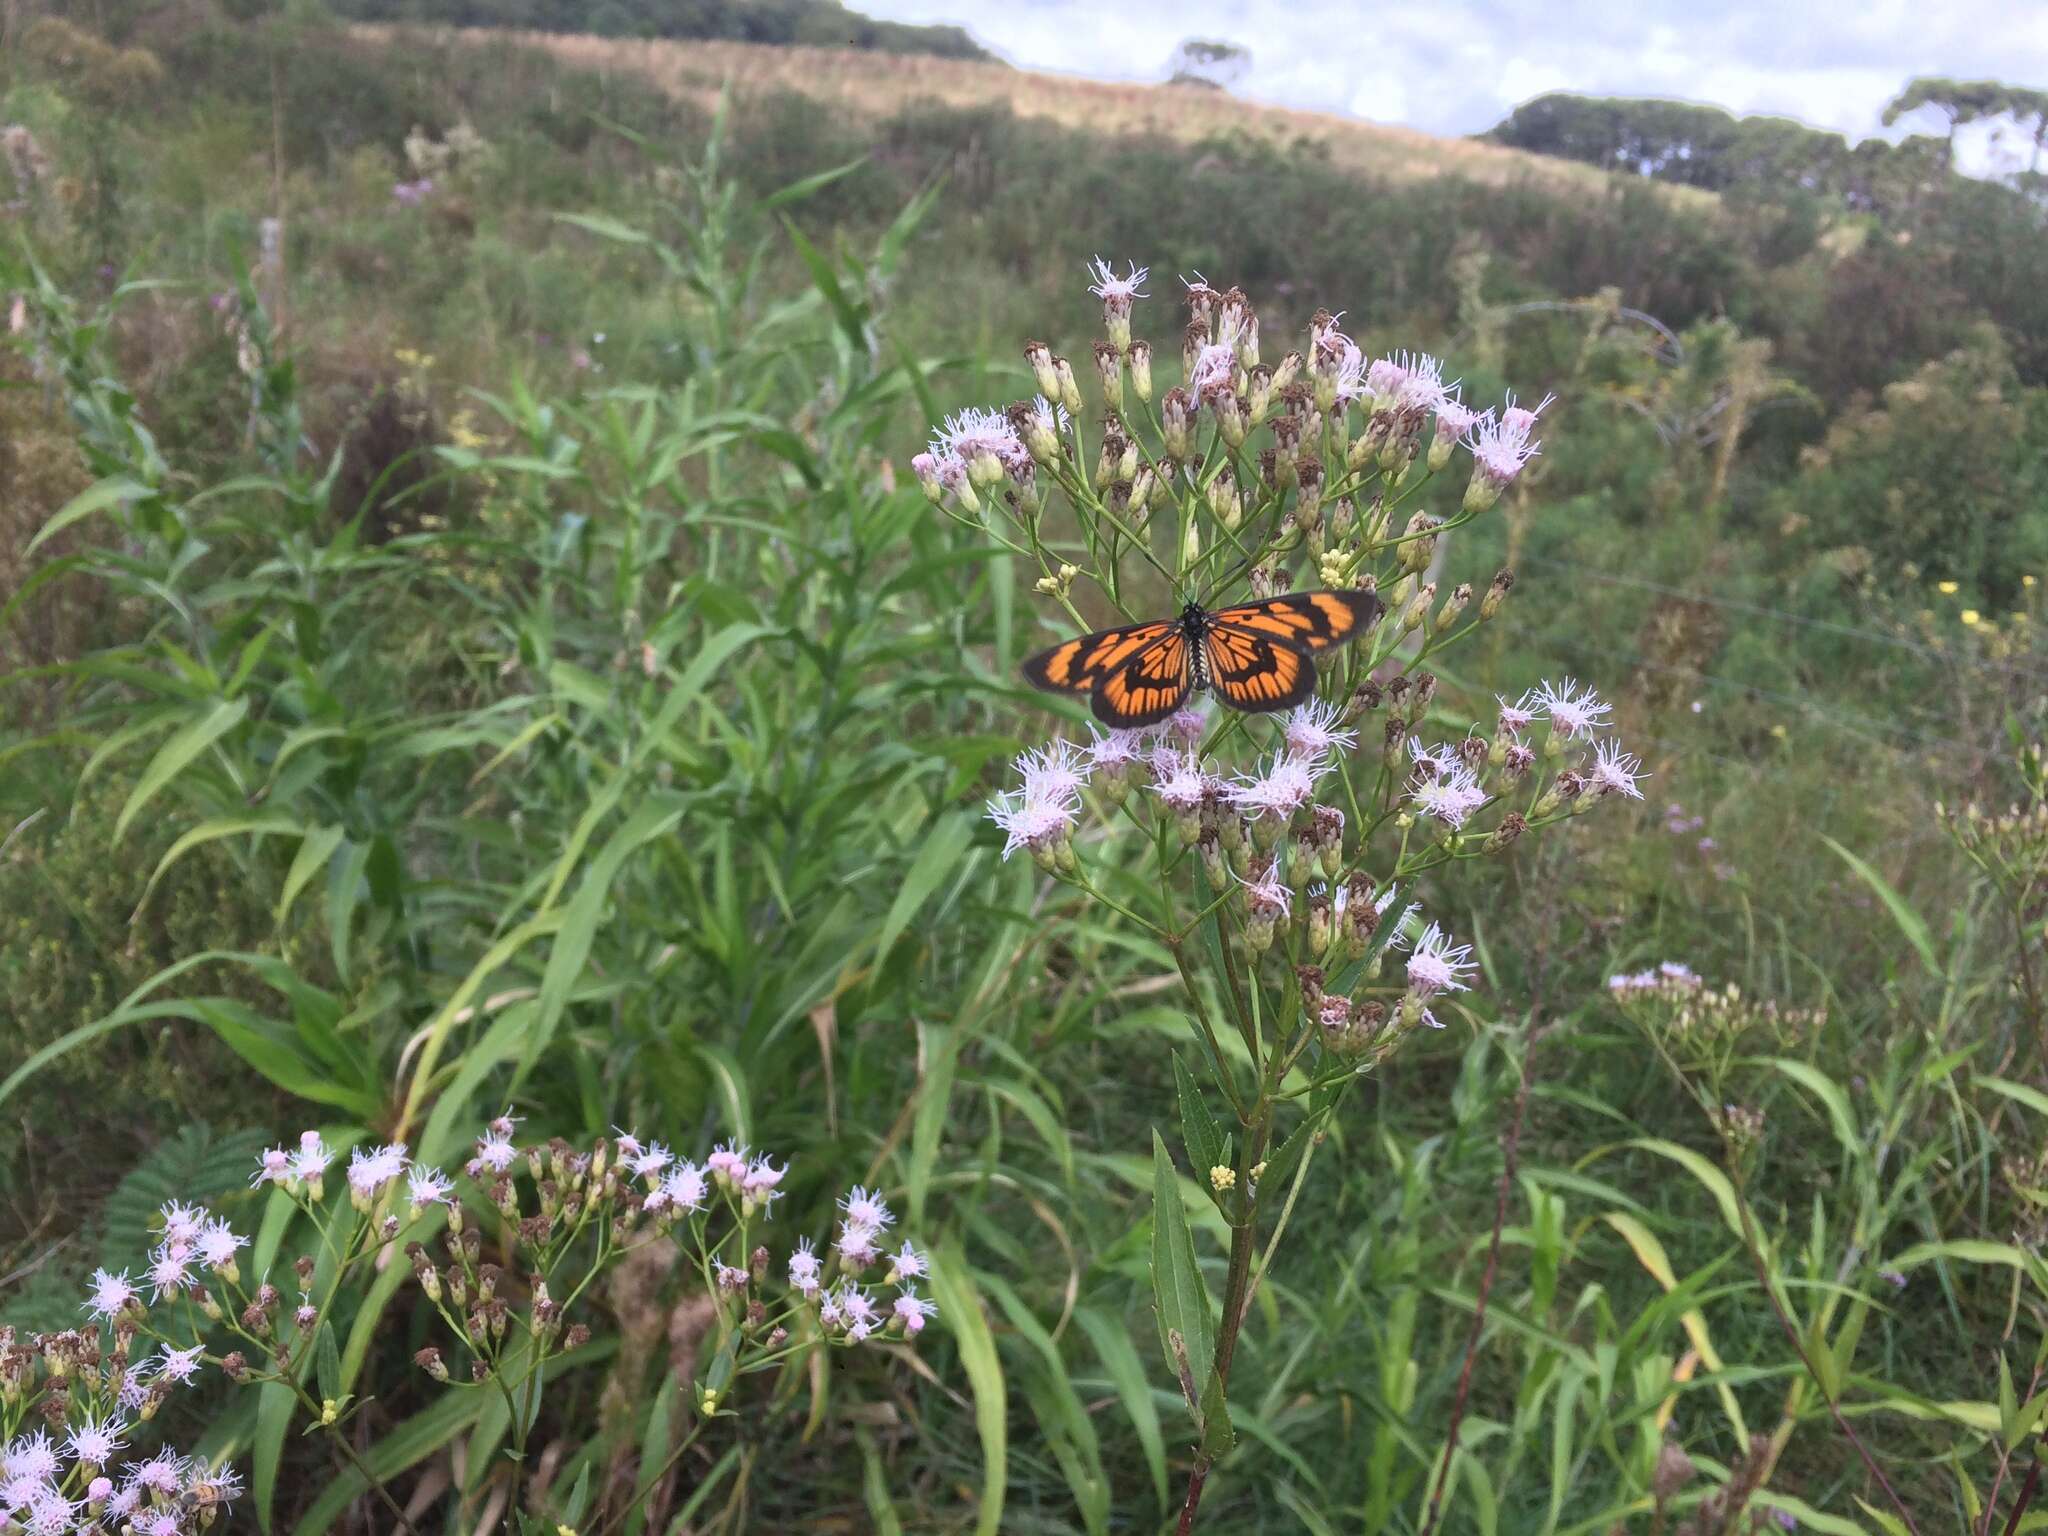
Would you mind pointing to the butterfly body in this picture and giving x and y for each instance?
(1254, 656)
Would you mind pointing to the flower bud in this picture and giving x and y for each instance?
(1109, 366)
(1139, 354)
(1176, 417)
(1258, 394)
(1039, 356)
(1229, 415)
(1502, 837)
(1288, 370)
(1454, 604)
(430, 1361)
(1069, 393)
(1190, 546)
(1496, 593)
(1225, 502)
(1192, 341)
(1418, 608)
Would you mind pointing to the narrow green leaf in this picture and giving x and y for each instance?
(1909, 922)
(1199, 1130)
(315, 848)
(268, 825)
(327, 1364)
(94, 498)
(960, 1310)
(1177, 1287)
(1119, 1358)
(175, 755)
(943, 846)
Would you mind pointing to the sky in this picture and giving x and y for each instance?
(1458, 66)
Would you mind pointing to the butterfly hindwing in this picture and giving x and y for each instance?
(1257, 672)
(1312, 621)
(1147, 686)
(1078, 666)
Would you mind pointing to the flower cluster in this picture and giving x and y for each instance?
(91, 1467)
(1689, 1011)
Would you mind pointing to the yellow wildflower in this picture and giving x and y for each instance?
(1945, 588)
(1972, 617)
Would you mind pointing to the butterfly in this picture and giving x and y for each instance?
(1256, 656)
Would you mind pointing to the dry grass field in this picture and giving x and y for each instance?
(878, 84)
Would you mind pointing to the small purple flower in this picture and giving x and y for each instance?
(1436, 965)
(1574, 712)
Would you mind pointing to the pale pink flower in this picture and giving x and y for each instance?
(1615, 772)
(1029, 823)
(629, 1146)
(1433, 761)
(731, 1277)
(858, 1243)
(912, 1312)
(94, 1441)
(218, 1244)
(110, 1293)
(426, 1186)
(1519, 419)
(494, 1154)
(686, 1188)
(32, 1458)
(1517, 717)
(1574, 712)
(1053, 772)
(1186, 724)
(1268, 893)
(1422, 386)
(906, 1263)
(182, 1224)
(312, 1158)
(804, 1269)
(51, 1514)
(180, 1365)
(1500, 451)
(759, 1181)
(1285, 787)
(1312, 730)
(1114, 290)
(649, 1161)
(865, 1207)
(162, 1473)
(170, 1272)
(1385, 377)
(274, 1167)
(727, 1162)
(373, 1170)
(1454, 419)
(1436, 965)
(99, 1490)
(1450, 797)
(982, 440)
(1115, 749)
(1179, 780)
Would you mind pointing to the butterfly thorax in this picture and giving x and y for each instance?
(1194, 623)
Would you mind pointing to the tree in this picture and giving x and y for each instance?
(1972, 101)
(1210, 62)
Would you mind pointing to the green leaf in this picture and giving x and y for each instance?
(327, 1364)
(1829, 1092)
(1888, 1522)
(315, 848)
(1712, 1179)
(571, 951)
(851, 319)
(1968, 1250)
(1909, 922)
(1198, 1127)
(947, 841)
(175, 755)
(271, 824)
(1177, 1288)
(874, 1487)
(960, 1310)
(274, 1407)
(1119, 1358)
(94, 498)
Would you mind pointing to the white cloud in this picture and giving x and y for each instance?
(1458, 66)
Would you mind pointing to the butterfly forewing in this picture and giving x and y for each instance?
(1148, 687)
(1077, 666)
(1314, 621)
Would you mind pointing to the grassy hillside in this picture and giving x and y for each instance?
(509, 660)
(875, 88)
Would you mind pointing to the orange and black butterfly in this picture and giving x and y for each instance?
(1257, 656)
